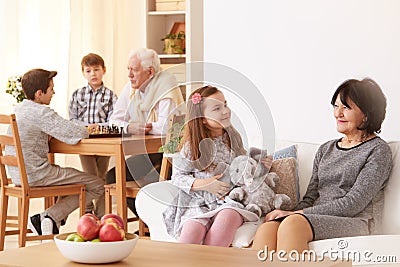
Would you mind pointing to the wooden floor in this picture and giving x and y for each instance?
(70, 226)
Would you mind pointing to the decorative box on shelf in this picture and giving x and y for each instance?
(174, 42)
(169, 5)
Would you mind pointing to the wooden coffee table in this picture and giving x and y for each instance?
(154, 253)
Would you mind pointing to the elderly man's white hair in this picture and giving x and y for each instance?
(148, 58)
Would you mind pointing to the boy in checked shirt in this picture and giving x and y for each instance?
(92, 106)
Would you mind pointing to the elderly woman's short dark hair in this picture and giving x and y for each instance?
(368, 97)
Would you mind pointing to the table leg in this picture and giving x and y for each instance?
(120, 184)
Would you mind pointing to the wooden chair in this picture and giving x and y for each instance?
(132, 188)
(24, 192)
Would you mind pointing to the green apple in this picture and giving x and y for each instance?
(75, 238)
(96, 240)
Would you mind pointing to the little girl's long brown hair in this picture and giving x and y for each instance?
(195, 131)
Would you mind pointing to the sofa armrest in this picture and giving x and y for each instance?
(151, 201)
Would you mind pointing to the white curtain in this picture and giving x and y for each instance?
(34, 34)
(56, 34)
(110, 29)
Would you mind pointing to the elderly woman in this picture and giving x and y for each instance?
(345, 193)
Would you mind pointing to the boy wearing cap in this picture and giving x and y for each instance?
(37, 123)
(92, 106)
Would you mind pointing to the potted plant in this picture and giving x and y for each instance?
(14, 88)
(175, 136)
(174, 43)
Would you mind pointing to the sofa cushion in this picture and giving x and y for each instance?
(305, 159)
(286, 169)
(287, 152)
(290, 151)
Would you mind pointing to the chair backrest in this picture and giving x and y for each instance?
(8, 160)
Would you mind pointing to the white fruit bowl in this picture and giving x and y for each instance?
(95, 252)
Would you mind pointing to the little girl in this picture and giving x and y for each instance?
(198, 215)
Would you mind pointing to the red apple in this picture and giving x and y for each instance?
(91, 215)
(112, 220)
(115, 218)
(111, 232)
(88, 226)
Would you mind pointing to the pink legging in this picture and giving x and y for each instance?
(221, 232)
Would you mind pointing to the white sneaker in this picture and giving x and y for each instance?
(34, 224)
(47, 228)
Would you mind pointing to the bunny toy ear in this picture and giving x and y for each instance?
(257, 153)
(253, 152)
(263, 153)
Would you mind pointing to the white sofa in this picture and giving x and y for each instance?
(153, 199)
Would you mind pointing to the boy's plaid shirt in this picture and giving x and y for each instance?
(89, 107)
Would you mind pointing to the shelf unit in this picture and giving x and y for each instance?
(160, 23)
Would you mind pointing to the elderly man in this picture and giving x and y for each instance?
(143, 107)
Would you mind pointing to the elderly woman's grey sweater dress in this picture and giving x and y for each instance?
(345, 193)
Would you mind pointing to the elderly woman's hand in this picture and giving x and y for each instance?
(275, 214)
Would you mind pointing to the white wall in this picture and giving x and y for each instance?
(298, 52)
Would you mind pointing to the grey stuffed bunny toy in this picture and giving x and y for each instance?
(253, 183)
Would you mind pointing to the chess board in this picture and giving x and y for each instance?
(102, 135)
(106, 131)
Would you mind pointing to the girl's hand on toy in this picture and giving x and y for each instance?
(212, 185)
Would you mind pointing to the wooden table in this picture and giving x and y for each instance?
(152, 253)
(112, 146)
